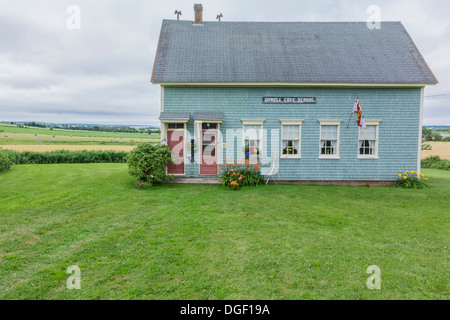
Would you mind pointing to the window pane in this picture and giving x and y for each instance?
(252, 132)
(206, 125)
(291, 132)
(369, 133)
(285, 132)
(295, 147)
(328, 147)
(287, 146)
(295, 132)
(329, 132)
(367, 147)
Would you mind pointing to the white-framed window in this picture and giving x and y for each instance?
(329, 139)
(252, 131)
(368, 140)
(291, 136)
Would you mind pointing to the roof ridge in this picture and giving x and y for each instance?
(283, 22)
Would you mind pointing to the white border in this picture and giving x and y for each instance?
(198, 124)
(252, 122)
(419, 151)
(166, 129)
(369, 156)
(292, 123)
(330, 123)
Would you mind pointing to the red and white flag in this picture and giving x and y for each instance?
(357, 110)
(356, 105)
(362, 122)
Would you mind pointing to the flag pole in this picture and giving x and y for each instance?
(349, 119)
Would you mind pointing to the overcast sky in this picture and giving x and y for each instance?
(101, 72)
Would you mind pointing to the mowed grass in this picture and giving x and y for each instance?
(208, 242)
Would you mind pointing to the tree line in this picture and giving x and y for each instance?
(121, 129)
(430, 135)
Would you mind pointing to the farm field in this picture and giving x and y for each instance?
(441, 149)
(35, 139)
(45, 148)
(78, 133)
(208, 242)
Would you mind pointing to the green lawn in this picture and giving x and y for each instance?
(208, 242)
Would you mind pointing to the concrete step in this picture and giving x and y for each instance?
(199, 180)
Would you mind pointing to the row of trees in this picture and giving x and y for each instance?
(122, 129)
(430, 135)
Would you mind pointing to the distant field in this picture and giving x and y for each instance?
(441, 149)
(45, 140)
(80, 133)
(45, 148)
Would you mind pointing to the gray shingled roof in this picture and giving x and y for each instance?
(184, 116)
(208, 116)
(291, 52)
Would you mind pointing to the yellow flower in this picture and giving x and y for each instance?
(404, 177)
(399, 175)
(421, 175)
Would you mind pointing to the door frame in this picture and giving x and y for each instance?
(166, 129)
(199, 124)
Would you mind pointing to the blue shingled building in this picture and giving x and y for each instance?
(282, 94)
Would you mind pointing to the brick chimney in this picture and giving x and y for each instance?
(198, 8)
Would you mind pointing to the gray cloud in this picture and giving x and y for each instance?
(101, 73)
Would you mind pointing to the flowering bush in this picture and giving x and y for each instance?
(411, 179)
(236, 175)
(234, 185)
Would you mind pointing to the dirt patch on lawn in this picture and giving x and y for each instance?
(44, 148)
(441, 149)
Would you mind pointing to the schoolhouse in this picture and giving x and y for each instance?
(312, 101)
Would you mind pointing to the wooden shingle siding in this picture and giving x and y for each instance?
(397, 108)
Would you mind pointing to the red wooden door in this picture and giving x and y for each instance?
(175, 141)
(208, 163)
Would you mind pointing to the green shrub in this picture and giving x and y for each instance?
(149, 162)
(5, 162)
(65, 156)
(237, 175)
(435, 162)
